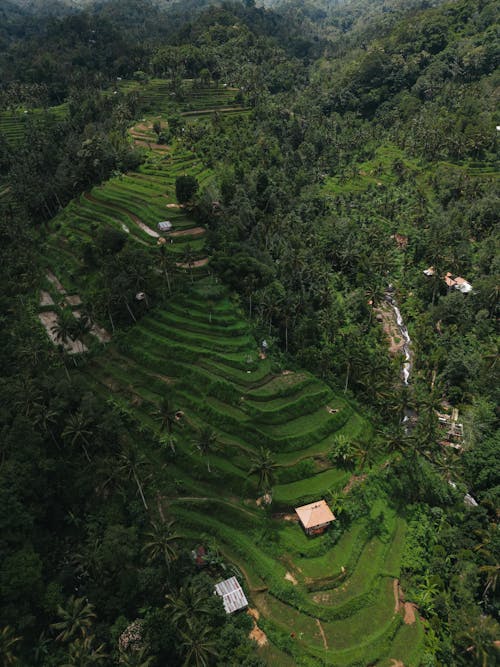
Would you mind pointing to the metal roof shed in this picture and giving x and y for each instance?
(164, 226)
(232, 595)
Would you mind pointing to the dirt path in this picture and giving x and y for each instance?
(322, 632)
(395, 587)
(192, 231)
(132, 216)
(195, 112)
(52, 278)
(194, 265)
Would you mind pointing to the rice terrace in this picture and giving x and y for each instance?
(249, 361)
(313, 596)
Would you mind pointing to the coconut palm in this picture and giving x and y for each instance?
(7, 642)
(264, 465)
(206, 443)
(482, 636)
(78, 431)
(64, 328)
(188, 259)
(198, 648)
(83, 653)
(187, 605)
(130, 463)
(76, 619)
(161, 543)
(136, 658)
(166, 416)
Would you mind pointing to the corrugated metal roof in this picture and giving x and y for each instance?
(232, 595)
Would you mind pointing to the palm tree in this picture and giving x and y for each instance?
(206, 443)
(64, 328)
(482, 636)
(187, 605)
(45, 418)
(77, 430)
(76, 619)
(198, 648)
(7, 642)
(188, 259)
(131, 461)
(82, 653)
(264, 465)
(135, 658)
(166, 416)
(161, 543)
(165, 262)
(82, 327)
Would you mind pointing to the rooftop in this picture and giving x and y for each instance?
(232, 595)
(315, 514)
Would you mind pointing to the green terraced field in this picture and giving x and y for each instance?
(13, 123)
(324, 601)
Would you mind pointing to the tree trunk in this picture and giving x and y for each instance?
(140, 489)
(347, 377)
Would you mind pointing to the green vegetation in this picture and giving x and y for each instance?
(170, 393)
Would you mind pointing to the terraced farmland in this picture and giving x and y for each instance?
(331, 599)
(13, 123)
(198, 352)
(133, 203)
(157, 96)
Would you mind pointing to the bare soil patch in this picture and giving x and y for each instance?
(73, 300)
(194, 265)
(395, 587)
(46, 299)
(410, 613)
(193, 231)
(174, 205)
(256, 633)
(355, 479)
(52, 278)
(289, 577)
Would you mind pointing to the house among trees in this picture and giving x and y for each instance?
(452, 281)
(165, 226)
(315, 517)
(232, 595)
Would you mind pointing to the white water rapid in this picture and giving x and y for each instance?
(389, 297)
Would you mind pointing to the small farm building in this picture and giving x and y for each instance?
(315, 517)
(232, 595)
(165, 226)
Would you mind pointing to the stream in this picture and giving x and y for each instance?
(403, 330)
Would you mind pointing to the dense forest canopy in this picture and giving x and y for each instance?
(327, 177)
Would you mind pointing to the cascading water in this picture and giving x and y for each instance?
(389, 297)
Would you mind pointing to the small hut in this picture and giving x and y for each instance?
(232, 595)
(165, 226)
(315, 517)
